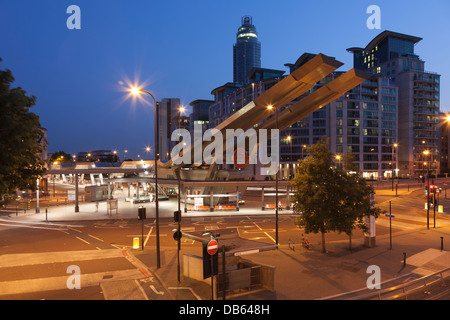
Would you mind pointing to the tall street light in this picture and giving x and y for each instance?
(180, 110)
(338, 157)
(425, 153)
(395, 145)
(270, 107)
(289, 138)
(136, 91)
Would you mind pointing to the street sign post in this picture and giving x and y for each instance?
(240, 158)
(212, 247)
(390, 216)
(210, 259)
(142, 214)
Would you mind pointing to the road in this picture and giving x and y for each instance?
(36, 257)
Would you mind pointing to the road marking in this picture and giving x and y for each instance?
(161, 293)
(141, 289)
(23, 259)
(82, 240)
(264, 232)
(60, 282)
(148, 235)
(186, 288)
(95, 238)
(27, 226)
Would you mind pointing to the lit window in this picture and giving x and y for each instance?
(250, 34)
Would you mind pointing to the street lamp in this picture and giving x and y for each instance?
(270, 107)
(338, 157)
(395, 145)
(427, 152)
(303, 147)
(136, 91)
(289, 138)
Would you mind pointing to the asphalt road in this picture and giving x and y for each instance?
(35, 257)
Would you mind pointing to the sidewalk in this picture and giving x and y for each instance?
(127, 210)
(308, 275)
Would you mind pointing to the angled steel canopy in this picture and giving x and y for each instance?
(283, 92)
(286, 90)
(316, 100)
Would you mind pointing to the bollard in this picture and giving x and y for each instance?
(404, 259)
(293, 245)
(442, 243)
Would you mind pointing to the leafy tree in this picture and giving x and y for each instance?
(20, 136)
(61, 157)
(328, 198)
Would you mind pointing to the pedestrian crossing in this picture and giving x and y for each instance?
(111, 270)
(408, 221)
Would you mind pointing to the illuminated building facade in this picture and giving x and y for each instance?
(246, 51)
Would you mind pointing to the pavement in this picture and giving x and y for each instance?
(300, 274)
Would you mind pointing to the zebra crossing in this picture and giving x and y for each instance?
(110, 270)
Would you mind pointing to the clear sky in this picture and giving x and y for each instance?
(181, 49)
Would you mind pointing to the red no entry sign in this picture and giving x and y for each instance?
(212, 247)
(240, 158)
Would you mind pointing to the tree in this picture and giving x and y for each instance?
(61, 157)
(20, 135)
(328, 198)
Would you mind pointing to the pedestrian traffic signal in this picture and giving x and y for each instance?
(142, 214)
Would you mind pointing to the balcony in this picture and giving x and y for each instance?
(426, 79)
(417, 111)
(426, 96)
(425, 88)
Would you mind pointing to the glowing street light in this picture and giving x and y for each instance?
(136, 92)
(270, 107)
(395, 145)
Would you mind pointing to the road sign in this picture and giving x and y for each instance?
(240, 158)
(389, 215)
(177, 235)
(212, 247)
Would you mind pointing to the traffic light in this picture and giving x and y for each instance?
(177, 216)
(142, 214)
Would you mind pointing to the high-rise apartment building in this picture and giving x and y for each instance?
(363, 121)
(246, 51)
(169, 119)
(391, 55)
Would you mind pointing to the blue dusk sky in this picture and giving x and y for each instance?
(180, 49)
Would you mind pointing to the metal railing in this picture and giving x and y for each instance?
(246, 285)
(409, 288)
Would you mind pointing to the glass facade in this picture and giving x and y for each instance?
(246, 51)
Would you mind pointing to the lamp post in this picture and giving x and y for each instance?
(181, 109)
(289, 138)
(395, 145)
(137, 91)
(425, 153)
(338, 157)
(303, 147)
(270, 107)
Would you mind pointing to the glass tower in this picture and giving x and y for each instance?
(246, 51)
